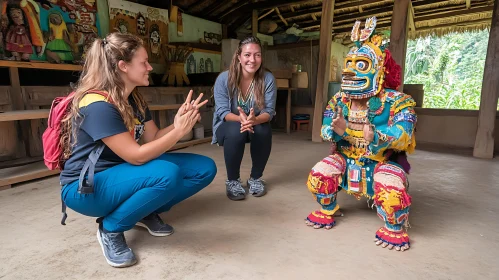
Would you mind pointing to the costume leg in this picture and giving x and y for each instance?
(324, 181)
(392, 203)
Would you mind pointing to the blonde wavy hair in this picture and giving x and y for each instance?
(101, 72)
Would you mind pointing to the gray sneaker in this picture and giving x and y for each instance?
(115, 249)
(155, 225)
(234, 189)
(257, 187)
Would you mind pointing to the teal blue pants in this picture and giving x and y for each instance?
(126, 193)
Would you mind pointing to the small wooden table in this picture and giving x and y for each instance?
(288, 109)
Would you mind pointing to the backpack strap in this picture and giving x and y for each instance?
(86, 183)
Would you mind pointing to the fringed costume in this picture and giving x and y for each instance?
(374, 169)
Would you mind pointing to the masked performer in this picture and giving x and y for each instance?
(371, 127)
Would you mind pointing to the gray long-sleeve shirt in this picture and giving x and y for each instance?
(225, 104)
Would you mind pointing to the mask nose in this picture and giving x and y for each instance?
(348, 72)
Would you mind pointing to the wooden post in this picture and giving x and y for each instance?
(398, 35)
(484, 141)
(323, 68)
(18, 104)
(254, 23)
(225, 33)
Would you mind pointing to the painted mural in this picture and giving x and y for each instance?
(150, 24)
(202, 62)
(58, 31)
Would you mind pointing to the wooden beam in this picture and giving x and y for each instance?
(323, 68)
(362, 16)
(262, 5)
(215, 9)
(412, 25)
(40, 65)
(449, 8)
(225, 33)
(234, 25)
(434, 27)
(266, 14)
(484, 141)
(254, 23)
(234, 9)
(429, 2)
(199, 6)
(279, 14)
(454, 13)
(468, 4)
(356, 4)
(299, 13)
(243, 8)
(398, 35)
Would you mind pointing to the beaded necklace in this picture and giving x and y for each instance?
(246, 101)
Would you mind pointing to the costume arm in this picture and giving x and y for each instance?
(398, 133)
(327, 132)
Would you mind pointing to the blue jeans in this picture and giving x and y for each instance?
(126, 193)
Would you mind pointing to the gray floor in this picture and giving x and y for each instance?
(454, 233)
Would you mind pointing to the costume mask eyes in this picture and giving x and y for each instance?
(362, 65)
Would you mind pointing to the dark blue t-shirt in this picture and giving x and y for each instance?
(100, 120)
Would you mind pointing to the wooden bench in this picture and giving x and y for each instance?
(38, 99)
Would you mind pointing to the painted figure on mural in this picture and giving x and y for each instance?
(141, 25)
(371, 127)
(59, 43)
(23, 29)
(191, 65)
(201, 65)
(208, 65)
(155, 40)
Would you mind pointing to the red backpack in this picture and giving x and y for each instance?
(52, 150)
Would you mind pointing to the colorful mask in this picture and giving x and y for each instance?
(364, 72)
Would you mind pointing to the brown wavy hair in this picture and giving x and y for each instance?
(101, 72)
(235, 73)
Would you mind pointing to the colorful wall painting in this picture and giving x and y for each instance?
(148, 23)
(58, 31)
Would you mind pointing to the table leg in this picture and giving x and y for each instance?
(288, 113)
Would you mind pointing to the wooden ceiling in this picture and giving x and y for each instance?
(426, 16)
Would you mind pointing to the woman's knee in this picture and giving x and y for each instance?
(262, 133)
(207, 167)
(232, 133)
(163, 173)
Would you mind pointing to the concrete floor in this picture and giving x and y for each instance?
(454, 234)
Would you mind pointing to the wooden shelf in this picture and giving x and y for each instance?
(24, 115)
(44, 113)
(36, 170)
(40, 65)
(18, 174)
(200, 47)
